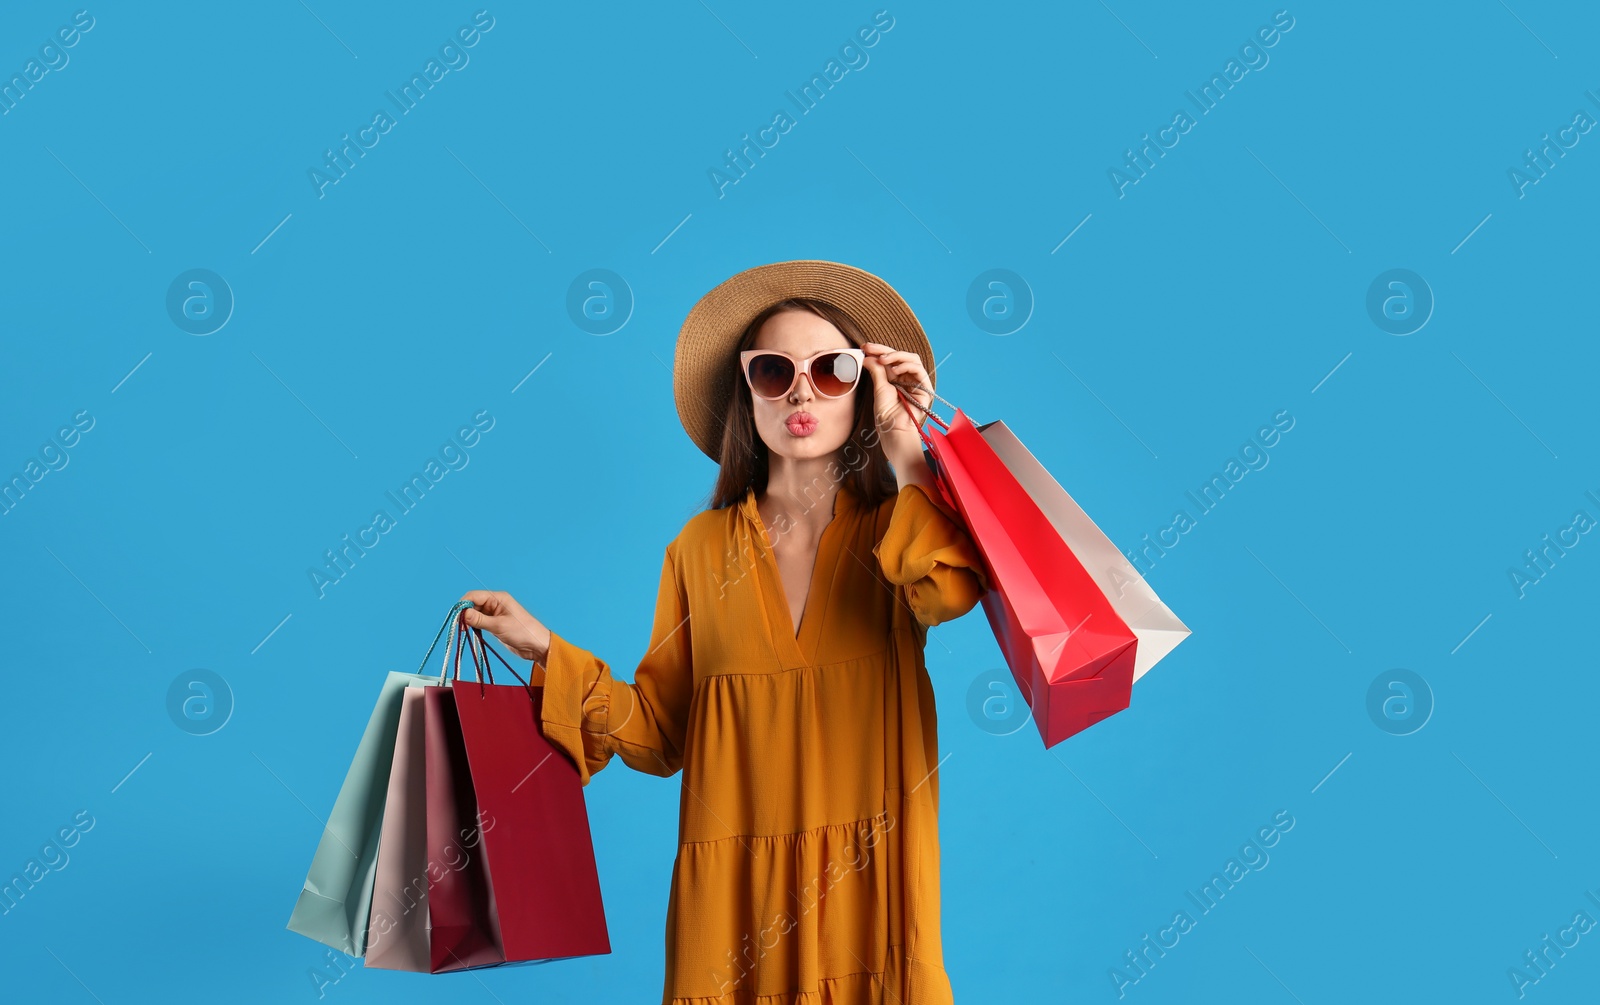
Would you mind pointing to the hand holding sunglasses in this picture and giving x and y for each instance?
(904, 393)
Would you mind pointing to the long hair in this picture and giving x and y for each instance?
(744, 456)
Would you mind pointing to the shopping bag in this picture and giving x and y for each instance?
(536, 840)
(439, 904)
(463, 931)
(1155, 626)
(337, 894)
(336, 898)
(397, 937)
(1070, 652)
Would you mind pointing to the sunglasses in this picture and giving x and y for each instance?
(772, 373)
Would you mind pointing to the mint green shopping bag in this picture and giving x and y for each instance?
(334, 904)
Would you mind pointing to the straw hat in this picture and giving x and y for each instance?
(706, 365)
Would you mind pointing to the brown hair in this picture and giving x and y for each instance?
(744, 455)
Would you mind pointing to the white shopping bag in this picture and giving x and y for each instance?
(1158, 630)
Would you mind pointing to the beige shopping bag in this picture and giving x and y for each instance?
(397, 933)
(1158, 630)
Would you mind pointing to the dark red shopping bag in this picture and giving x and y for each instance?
(537, 845)
(511, 874)
(1072, 655)
(463, 928)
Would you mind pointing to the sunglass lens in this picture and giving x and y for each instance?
(771, 375)
(835, 374)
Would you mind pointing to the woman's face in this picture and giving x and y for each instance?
(783, 424)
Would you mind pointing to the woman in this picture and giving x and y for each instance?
(785, 673)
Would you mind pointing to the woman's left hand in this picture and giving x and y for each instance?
(894, 415)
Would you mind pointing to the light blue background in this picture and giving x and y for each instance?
(425, 286)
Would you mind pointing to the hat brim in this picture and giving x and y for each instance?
(705, 367)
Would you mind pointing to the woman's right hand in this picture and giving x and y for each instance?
(496, 612)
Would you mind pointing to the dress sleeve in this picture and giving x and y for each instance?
(592, 715)
(927, 551)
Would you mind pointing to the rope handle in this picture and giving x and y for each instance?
(484, 646)
(452, 650)
(457, 637)
(927, 439)
(477, 644)
(478, 649)
(459, 634)
(480, 669)
(463, 640)
(909, 402)
(449, 623)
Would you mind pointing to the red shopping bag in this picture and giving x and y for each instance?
(1070, 652)
(536, 837)
(463, 930)
(509, 867)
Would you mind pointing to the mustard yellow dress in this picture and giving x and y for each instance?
(808, 856)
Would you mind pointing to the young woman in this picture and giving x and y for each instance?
(785, 672)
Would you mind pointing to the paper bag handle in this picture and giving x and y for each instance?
(472, 638)
(486, 649)
(911, 402)
(449, 622)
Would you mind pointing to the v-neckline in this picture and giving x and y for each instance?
(796, 638)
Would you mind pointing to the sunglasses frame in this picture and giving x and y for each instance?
(802, 367)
